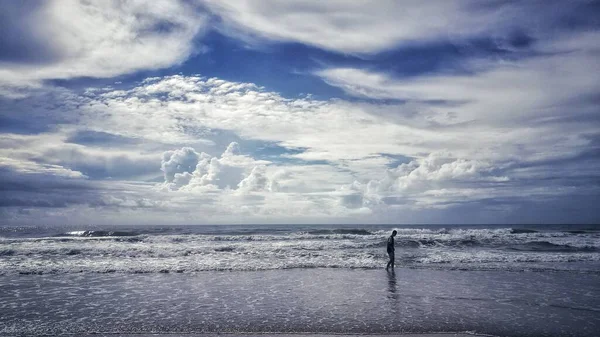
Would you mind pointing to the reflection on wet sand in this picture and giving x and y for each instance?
(301, 300)
(392, 284)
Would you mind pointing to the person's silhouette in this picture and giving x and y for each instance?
(391, 250)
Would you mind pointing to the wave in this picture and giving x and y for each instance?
(7, 252)
(176, 251)
(341, 231)
(502, 238)
(424, 243)
(545, 246)
(224, 261)
(98, 233)
(577, 232)
(522, 231)
(103, 256)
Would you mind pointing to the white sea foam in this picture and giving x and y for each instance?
(106, 251)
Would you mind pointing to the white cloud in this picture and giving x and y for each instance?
(494, 91)
(351, 141)
(421, 183)
(525, 127)
(438, 170)
(234, 185)
(105, 38)
(328, 130)
(354, 134)
(532, 109)
(359, 26)
(31, 167)
(179, 161)
(53, 150)
(189, 170)
(257, 181)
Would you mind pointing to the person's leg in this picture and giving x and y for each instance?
(392, 258)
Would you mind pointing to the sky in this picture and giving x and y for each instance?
(262, 111)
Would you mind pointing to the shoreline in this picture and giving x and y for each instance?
(301, 334)
(302, 303)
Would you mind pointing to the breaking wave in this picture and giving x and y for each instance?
(545, 246)
(98, 233)
(522, 231)
(167, 250)
(341, 231)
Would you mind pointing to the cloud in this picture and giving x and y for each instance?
(31, 167)
(412, 181)
(257, 181)
(71, 38)
(330, 144)
(234, 185)
(504, 109)
(515, 125)
(353, 134)
(363, 28)
(358, 27)
(54, 150)
(557, 74)
(326, 129)
(178, 161)
(188, 170)
(29, 186)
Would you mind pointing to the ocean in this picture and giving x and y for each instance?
(535, 280)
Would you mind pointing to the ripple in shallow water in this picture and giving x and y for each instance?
(315, 300)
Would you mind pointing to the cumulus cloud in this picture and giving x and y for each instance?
(257, 181)
(353, 134)
(415, 181)
(520, 123)
(332, 143)
(178, 162)
(326, 129)
(188, 170)
(435, 170)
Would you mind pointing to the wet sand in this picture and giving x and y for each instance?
(302, 302)
(443, 334)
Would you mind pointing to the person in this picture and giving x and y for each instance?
(391, 250)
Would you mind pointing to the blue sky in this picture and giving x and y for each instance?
(206, 112)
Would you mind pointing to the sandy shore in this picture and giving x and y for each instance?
(311, 302)
(444, 334)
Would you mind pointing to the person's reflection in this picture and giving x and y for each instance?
(392, 284)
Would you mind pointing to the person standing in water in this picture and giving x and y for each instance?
(391, 250)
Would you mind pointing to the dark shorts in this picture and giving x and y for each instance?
(391, 254)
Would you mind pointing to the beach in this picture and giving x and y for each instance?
(299, 280)
(296, 335)
(303, 301)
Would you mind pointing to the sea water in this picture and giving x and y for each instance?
(505, 280)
